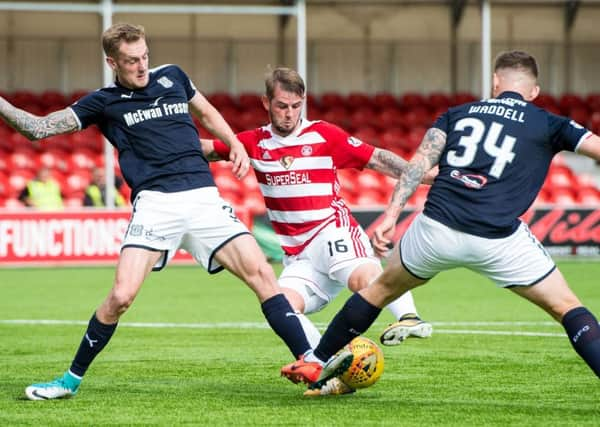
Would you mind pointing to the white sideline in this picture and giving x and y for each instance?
(261, 325)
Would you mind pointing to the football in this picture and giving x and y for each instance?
(367, 366)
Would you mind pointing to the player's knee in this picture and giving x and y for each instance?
(121, 300)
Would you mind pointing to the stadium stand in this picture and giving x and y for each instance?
(397, 123)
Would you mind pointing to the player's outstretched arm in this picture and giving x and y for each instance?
(590, 147)
(35, 127)
(426, 157)
(391, 164)
(214, 122)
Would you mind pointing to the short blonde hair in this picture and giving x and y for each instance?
(118, 33)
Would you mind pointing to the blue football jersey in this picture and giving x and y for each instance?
(497, 155)
(152, 130)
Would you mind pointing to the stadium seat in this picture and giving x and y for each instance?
(545, 100)
(417, 117)
(250, 183)
(369, 135)
(437, 101)
(592, 101)
(560, 176)
(250, 101)
(412, 100)
(23, 98)
(312, 101)
(89, 138)
(76, 95)
(53, 159)
(362, 117)
(75, 183)
(82, 159)
(369, 181)
(221, 100)
(580, 114)
(254, 203)
(389, 118)
(53, 100)
(359, 101)
(228, 184)
(338, 116)
(331, 100)
(568, 101)
(393, 138)
(4, 163)
(73, 202)
(57, 142)
(385, 100)
(18, 141)
(252, 118)
(13, 204)
(17, 181)
(23, 158)
(417, 200)
(462, 98)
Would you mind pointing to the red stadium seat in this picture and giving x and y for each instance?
(385, 100)
(13, 203)
(77, 95)
(438, 100)
(362, 117)
(417, 200)
(412, 100)
(22, 98)
(227, 183)
(58, 142)
(5, 189)
(545, 100)
(359, 100)
(252, 118)
(73, 202)
(369, 181)
(52, 99)
(23, 158)
(221, 100)
(580, 114)
(4, 162)
(389, 118)
(250, 101)
(330, 100)
(254, 202)
(250, 183)
(393, 138)
(417, 117)
(462, 98)
(338, 116)
(75, 183)
(54, 159)
(312, 101)
(369, 135)
(568, 101)
(82, 159)
(17, 181)
(18, 141)
(89, 138)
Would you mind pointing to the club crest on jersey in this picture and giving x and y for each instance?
(165, 82)
(471, 181)
(306, 150)
(355, 142)
(286, 161)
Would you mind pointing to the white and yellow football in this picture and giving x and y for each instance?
(367, 366)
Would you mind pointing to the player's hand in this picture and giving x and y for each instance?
(239, 159)
(382, 236)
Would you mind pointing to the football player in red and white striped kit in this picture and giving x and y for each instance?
(295, 161)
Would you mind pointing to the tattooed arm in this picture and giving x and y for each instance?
(35, 127)
(391, 164)
(427, 156)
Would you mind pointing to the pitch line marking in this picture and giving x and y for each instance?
(261, 325)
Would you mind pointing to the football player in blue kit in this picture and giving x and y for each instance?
(145, 114)
(493, 157)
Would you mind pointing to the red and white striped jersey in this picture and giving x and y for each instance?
(297, 177)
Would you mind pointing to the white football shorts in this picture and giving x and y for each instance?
(198, 221)
(321, 271)
(429, 247)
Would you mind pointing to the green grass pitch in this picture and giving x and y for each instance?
(194, 349)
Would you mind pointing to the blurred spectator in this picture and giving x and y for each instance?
(95, 193)
(42, 192)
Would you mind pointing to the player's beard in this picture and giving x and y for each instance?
(282, 130)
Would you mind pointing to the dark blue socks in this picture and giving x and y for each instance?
(95, 338)
(282, 319)
(584, 334)
(355, 317)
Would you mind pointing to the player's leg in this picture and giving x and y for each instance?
(520, 263)
(133, 267)
(258, 274)
(554, 296)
